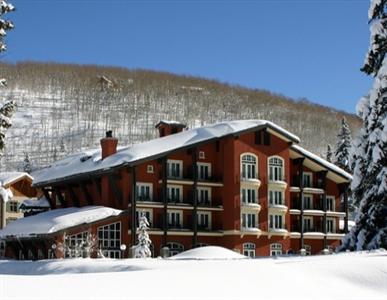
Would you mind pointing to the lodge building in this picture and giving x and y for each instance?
(244, 185)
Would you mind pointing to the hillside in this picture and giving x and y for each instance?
(64, 108)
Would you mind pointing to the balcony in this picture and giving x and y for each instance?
(278, 231)
(251, 206)
(311, 188)
(277, 182)
(211, 181)
(277, 207)
(251, 179)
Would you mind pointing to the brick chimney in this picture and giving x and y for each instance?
(169, 127)
(109, 144)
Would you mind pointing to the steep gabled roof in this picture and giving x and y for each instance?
(8, 178)
(89, 162)
(170, 122)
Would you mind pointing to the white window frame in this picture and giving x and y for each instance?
(146, 210)
(110, 246)
(169, 218)
(73, 243)
(308, 196)
(13, 204)
(208, 190)
(333, 229)
(202, 155)
(245, 220)
(333, 206)
(145, 184)
(175, 248)
(249, 249)
(169, 193)
(276, 221)
(204, 213)
(247, 199)
(208, 165)
(275, 249)
(247, 167)
(169, 168)
(310, 175)
(272, 167)
(306, 221)
(150, 169)
(276, 193)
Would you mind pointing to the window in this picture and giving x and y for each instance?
(12, 206)
(144, 191)
(307, 179)
(148, 214)
(276, 222)
(9, 220)
(149, 169)
(174, 169)
(331, 225)
(249, 249)
(204, 220)
(276, 169)
(74, 243)
(308, 249)
(202, 155)
(308, 202)
(204, 196)
(308, 224)
(249, 195)
(276, 197)
(249, 220)
(174, 193)
(249, 166)
(109, 240)
(2, 249)
(330, 203)
(275, 249)
(175, 248)
(175, 219)
(204, 171)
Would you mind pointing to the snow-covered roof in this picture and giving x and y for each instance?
(170, 122)
(207, 253)
(321, 161)
(35, 203)
(55, 220)
(89, 162)
(7, 178)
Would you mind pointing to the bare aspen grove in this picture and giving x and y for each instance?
(62, 109)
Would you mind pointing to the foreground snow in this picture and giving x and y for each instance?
(342, 276)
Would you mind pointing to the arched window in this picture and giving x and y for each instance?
(175, 248)
(249, 168)
(275, 249)
(276, 168)
(249, 249)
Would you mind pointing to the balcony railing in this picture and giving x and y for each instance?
(316, 205)
(316, 184)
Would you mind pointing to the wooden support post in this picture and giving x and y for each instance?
(62, 201)
(73, 196)
(133, 227)
(119, 200)
(195, 197)
(97, 183)
(86, 193)
(48, 197)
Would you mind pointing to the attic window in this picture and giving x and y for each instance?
(149, 169)
(202, 155)
(84, 158)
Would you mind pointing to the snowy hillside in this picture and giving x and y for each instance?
(342, 276)
(62, 109)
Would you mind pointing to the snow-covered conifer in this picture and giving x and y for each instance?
(343, 146)
(143, 247)
(369, 151)
(27, 166)
(329, 153)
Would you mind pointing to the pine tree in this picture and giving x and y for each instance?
(27, 166)
(369, 151)
(6, 107)
(144, 242)
(343, 146)
(329, 153)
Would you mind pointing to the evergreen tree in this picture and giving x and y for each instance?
(369, 151)
(6, 107)
(27, 166)
(329, 153)
(343, 146)
(144, 242)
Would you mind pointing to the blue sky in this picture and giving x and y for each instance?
(303, 48)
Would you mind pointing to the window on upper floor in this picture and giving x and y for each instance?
(249, 195)
(12, 206)
(204, 220)
(204, 171)
(276, 197)
(276, 169)
(249, 220)
(331, 225)
(204, 196)
(175, 219)
(308, 202)
(307, 179)
(308, 224)
(276, 221)
(249, 166)
(174, 193)
(149, 169)
(144, 191)
(202, 155)
(330, 203)
(174, 168)
(148, 214)
(249, 250)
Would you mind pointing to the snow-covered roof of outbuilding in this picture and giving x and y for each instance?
(89, 162)
(55, 220)
(7, 178)
(170, 122)
(35, 203)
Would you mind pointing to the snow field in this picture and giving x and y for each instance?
(342, 276)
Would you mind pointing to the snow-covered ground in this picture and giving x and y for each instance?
(210, 273)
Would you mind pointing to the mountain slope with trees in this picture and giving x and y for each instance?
(63, 108)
